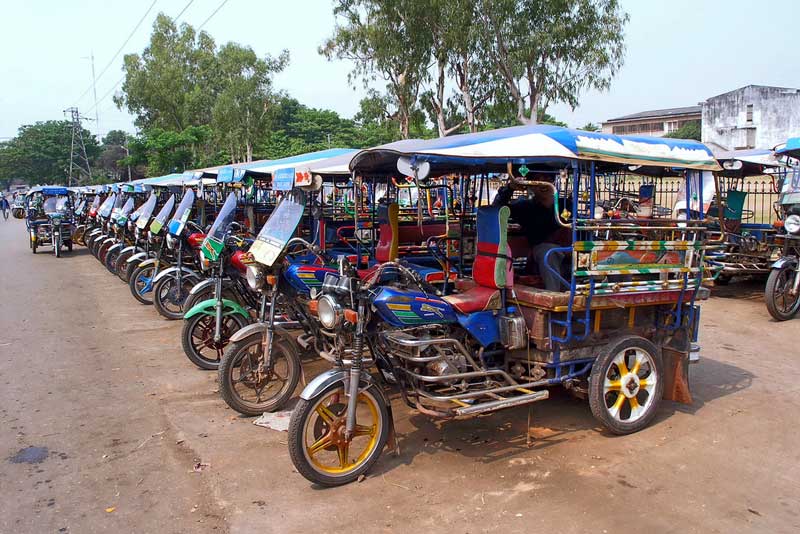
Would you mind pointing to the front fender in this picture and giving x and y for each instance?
(259, 327)
(114, 247)
(151, 261)
(167, 272)
(329, 378)
(202, 285)
(139, 256)
(129, 249)
(209, 307)
(785, 261)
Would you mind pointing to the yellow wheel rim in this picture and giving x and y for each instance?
(629, 385)
(324, 443)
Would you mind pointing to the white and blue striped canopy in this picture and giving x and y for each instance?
(541, 143)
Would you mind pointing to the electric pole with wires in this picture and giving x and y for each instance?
(78, 160)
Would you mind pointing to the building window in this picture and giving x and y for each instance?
(749, 112)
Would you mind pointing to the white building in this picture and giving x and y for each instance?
(754, 116)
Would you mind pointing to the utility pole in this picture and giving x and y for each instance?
(94, 88)
(78, 161)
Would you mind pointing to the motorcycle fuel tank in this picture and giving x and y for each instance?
(409, 308)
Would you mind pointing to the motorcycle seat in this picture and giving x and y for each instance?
(478, 298)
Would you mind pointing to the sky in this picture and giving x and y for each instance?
(679, 52)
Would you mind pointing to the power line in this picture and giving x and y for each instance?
(212, 15)
(138, 24)
(123, 76)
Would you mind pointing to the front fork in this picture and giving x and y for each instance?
(219, 309)
(269, 331)
(796, 282)
(355, 372)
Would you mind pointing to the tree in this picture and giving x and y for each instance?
(167, 151)
(241, 111)
(548, 51)
(174, 83)
(590, 127)
(383, 39)
(40, 153)
(690, 130)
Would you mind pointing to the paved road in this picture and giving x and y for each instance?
(100, 382)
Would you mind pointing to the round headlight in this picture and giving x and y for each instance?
(171, 241)
(329, 311)
(792, 224)
(255, 277)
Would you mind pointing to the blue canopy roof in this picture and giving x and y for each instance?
(52, 190)
(538, 143)
(790, 148)
(267, 167)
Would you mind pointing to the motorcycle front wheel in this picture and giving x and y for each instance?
(169, 296)
(141, 283)
(111, 260)
(317, 445)
(781, 304)
(197, 338)
(246, 386)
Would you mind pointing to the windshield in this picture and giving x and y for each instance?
(145, 210)
(181, 215)
(790, 194)
(161, 218)
(215, 240)
(105, 209)
(122, 215)
(279, 229)
(81, 205)
(55, 204)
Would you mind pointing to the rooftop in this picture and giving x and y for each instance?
(669, 112)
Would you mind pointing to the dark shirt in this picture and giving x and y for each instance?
(537, 222)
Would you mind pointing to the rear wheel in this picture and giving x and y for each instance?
(249, 388)
(318, 447)
(169, 295)
(141, 283)
(626, 385)
(781, 304)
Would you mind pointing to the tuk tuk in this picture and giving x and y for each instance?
(50, 218)
(605, 306)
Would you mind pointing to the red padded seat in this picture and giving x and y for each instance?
(479, 298)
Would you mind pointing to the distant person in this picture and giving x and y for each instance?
(537, 219)
(4, 206)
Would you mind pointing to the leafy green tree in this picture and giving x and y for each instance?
(174, 83)
(383, 39)
(590, 127)
(690, 130)
(241, 113)
(549, 51)
(40, 153)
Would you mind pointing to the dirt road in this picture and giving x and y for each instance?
(103, 420)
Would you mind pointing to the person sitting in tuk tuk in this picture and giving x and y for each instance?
(536, 217)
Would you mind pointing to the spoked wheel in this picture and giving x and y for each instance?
(198, 342)
(626, 385)
(141, 283)
(247, 386)
(781, 304)
(169, 296)
(130, 268)
(318, 446)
